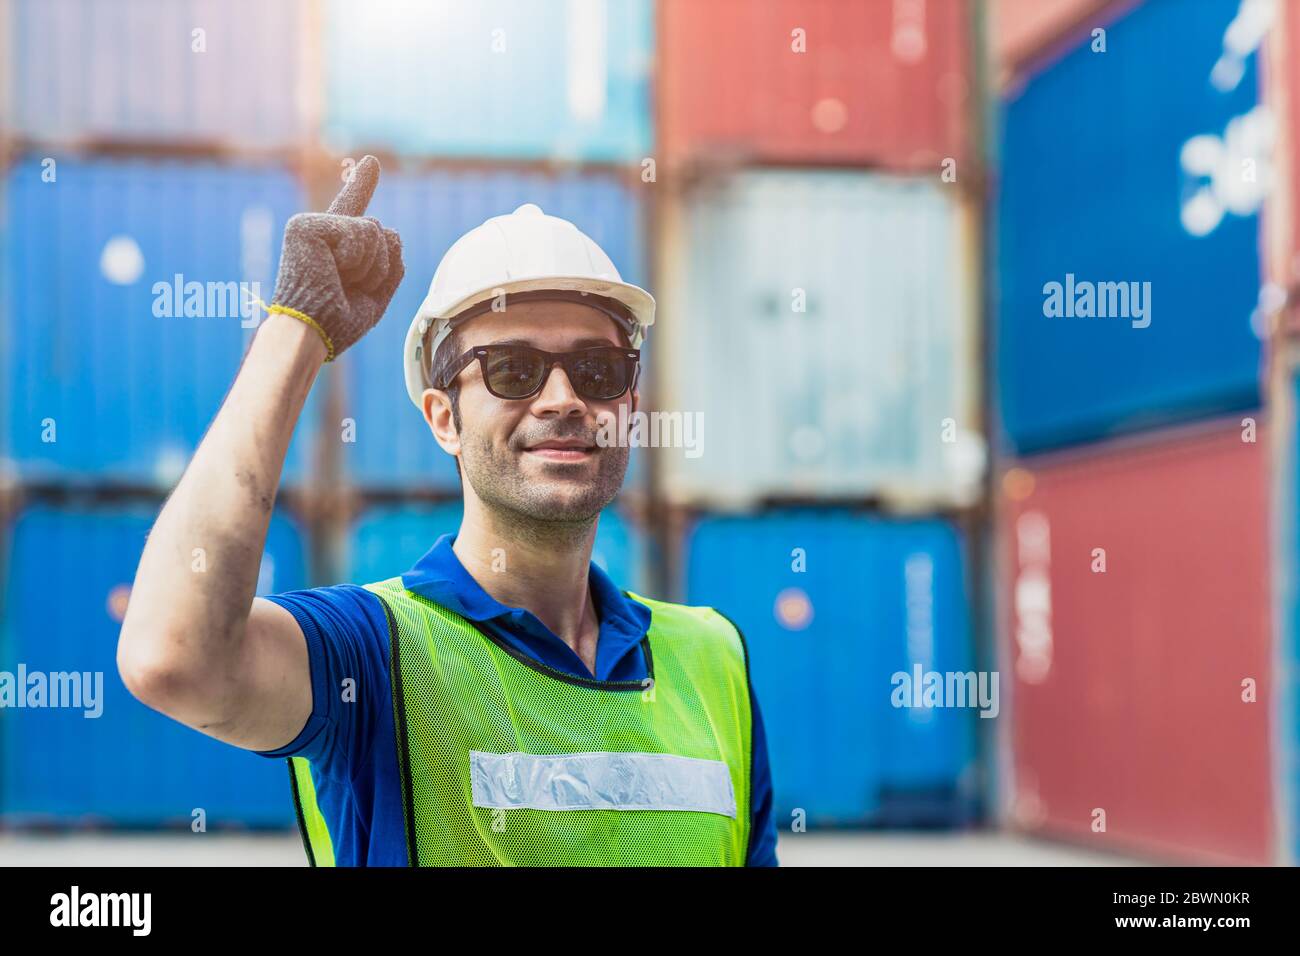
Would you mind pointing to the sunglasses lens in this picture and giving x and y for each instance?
(599, 373)
(513, 373)
(517, 372)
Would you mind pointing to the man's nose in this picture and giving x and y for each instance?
(558, 395)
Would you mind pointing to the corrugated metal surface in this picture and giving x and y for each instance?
(1128, 683)
(393, 446)
(1100, 184)
(139, 69)
(1286, 82)
(1024, 30)
(104, 376)
(880, 82)
(873, 598)
(6, 72)
(859, 392)
(501, 78)
(68, 572)
(387, 540)
(1288, 653)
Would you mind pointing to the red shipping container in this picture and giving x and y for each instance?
(1127, 682)
(874, 82)
(1283, 84)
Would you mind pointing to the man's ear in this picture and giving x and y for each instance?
(636, 399)
(438, 415)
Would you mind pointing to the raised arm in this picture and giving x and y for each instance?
(196, 644)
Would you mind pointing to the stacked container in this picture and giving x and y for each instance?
(816, 273)
(108, 759)
(146, 166)
(1134, 512)
(485, 107)
(153, 154)
(1283, 246)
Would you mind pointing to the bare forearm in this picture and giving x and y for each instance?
(196, 644)
(198, 573)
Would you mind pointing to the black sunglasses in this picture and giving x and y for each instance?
(520, 371)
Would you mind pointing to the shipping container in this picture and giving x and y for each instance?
(227, 72)
(1137, 585)
(497, 78)
(819, 336)
(386, 442)
(104, 758)
(126, 308)
(882, 83)
(1287, 656)
(1024, 32)
(1284, 96)
(840, 612)
(1128, 172)
(389, 539)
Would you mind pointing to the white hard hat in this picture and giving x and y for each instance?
(526, 251)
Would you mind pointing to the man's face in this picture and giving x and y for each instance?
(508, 448)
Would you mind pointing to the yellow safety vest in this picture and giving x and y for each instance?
(506, 761)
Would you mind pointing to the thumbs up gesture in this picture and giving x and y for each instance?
(339, 269)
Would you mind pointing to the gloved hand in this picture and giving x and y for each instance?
(339, 269)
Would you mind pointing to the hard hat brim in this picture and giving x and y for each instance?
(638, 301)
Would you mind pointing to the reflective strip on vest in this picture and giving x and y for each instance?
(601, 781)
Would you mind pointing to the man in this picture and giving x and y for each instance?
(502, 702)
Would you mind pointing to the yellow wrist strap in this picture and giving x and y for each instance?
(304, 317)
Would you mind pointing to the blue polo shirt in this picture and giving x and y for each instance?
(349, 737)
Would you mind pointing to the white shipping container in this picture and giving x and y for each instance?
(224, 71)
(818, 327)
(559, 79)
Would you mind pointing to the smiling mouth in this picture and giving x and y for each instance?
(563, 454)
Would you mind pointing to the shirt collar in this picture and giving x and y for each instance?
(440, 577)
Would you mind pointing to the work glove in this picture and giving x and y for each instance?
(339, 269)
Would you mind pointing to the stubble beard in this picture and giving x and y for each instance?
(550, 509)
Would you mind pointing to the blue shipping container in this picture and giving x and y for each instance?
(496, 78)
(387, 541)
(1128, 166)
(68, 573)
(833, 606)
(127, 306)
(222, 71)
(391, 445)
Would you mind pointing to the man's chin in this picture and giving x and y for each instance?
(548, 491)
(560, 498)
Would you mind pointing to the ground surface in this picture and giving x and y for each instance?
(809, 849)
